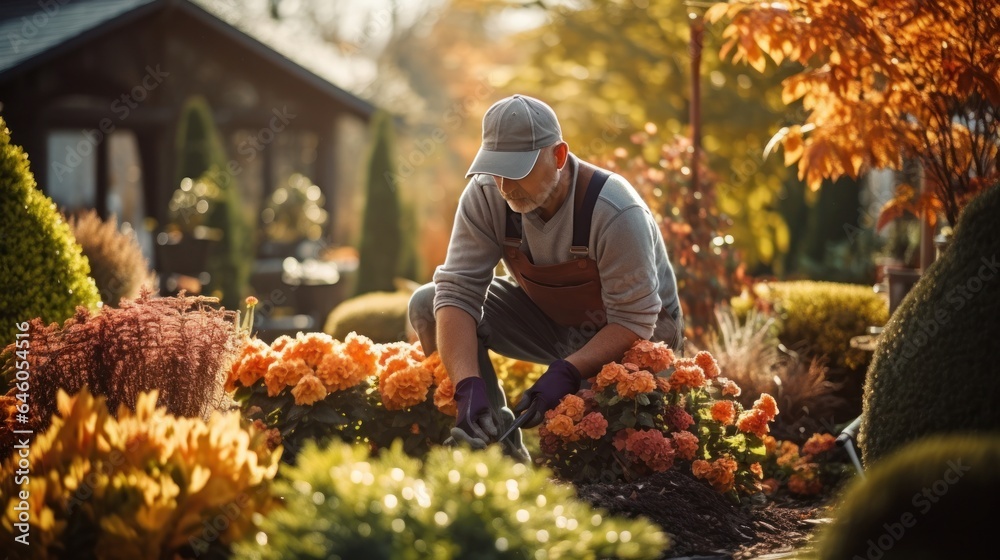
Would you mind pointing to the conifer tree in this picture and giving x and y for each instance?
(381, 235)
(43, 272)
(202, 154)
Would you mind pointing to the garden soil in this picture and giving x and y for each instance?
(703, 523)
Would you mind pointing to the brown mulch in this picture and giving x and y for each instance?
(702, 522)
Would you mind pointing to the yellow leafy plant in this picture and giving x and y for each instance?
(143, 485)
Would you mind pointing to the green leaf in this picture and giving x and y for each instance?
(628, 419)
(327, 415)
(642, 399)
(614, 400)
(296, 412)
(646, 419)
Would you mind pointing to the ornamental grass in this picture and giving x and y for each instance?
(180, 346)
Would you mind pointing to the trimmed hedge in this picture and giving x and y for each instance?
(822, 315)
(935, 367)
(925, 501)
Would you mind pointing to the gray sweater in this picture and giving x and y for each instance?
(636, 276)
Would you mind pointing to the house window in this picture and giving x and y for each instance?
(72, 173)
(72, 179)
(126, 197)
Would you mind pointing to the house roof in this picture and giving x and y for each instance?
(34, 32)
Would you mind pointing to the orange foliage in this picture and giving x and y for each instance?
(883, 82)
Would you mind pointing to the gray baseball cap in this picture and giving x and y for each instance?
(515, 129)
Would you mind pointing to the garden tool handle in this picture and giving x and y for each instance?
(520, 420)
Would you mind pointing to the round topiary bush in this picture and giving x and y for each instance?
(925, 501)
(42, 270)
(381, 316)
(934, 369)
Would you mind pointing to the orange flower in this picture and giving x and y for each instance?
(788, 454)
(593, 425)
(360, 350)
(687, 376)
(444, 397)
(770, 486)
(434, 364)
(610, 374)
(767, 405)
(662, 384)
(650, 356)
(633, 384)
(753, 421)
(394, 349)
(310, 348)
(308, 390)
(338, 372)
(721, 473)
(284, 373)
(651, 448)
(251, 365)
(818, 443)
(281, 343)
(729, 387)
(770, 444)
(757, 470)
(686, 444)
(572, 406)
(707, 364)
(563, 426)
(805, 484)
(405, 387)
(724, 412)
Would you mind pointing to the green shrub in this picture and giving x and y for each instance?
(925, 501)
(381, 316)
(381, 236)
(935, 367)
(823, 316)
(342, 503)
(42, 271)
(117, 264)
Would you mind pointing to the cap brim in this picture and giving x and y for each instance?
(512, 165)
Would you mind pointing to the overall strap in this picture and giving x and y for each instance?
(585, 213)
(512, 229)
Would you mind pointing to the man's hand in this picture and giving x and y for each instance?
(474, 416)
(561, 379)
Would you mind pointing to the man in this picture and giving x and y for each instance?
(588, 273)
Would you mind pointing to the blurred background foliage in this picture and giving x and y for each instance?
(611, 69)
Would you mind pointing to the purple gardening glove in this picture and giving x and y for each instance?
(475, 420)
(561, 379)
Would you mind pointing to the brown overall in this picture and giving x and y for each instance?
(569, 292)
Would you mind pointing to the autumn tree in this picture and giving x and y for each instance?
(883, 83)
(610, 66)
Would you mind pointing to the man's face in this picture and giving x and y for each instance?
(534, 190)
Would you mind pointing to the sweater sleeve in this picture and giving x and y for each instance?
(626, 252)
(473, 253)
